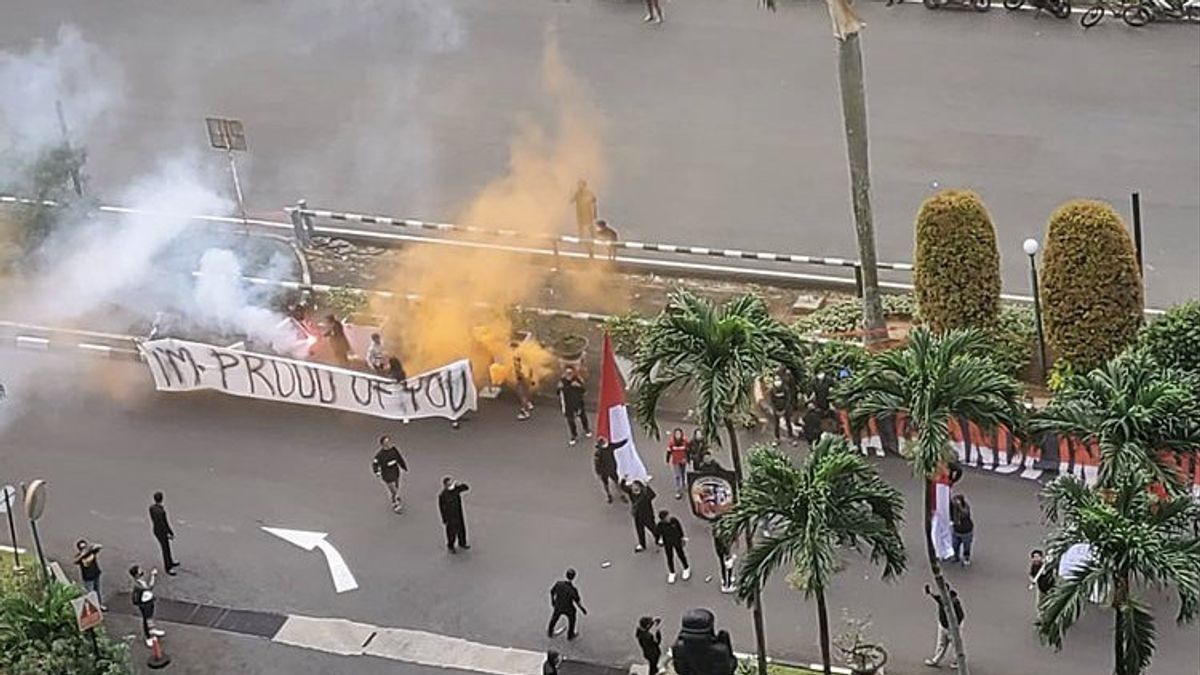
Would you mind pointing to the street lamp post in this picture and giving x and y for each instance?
(1031, 248)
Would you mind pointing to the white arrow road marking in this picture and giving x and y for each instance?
(343, 578)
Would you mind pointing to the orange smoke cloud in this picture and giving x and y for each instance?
(532, 198)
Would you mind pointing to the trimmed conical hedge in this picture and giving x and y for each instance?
(957, 267)
(1091, 286)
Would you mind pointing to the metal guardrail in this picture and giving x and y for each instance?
(596, 243)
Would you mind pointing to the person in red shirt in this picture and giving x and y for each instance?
(677, 457)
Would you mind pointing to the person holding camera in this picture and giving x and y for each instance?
(649, 638)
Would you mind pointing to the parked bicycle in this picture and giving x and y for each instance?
(1169, 9)
(1059, 8)
(977, 5)
(1130, 11)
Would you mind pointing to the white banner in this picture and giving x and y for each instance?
(179, 365)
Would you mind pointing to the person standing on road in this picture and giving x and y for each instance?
(608, 237)
(143, 599)
(1041, 575)
(564, 601)
(697, 448)
(523, 388)
(942, 645)
(811, 424)
(163, 533)
(586, 210)
(451, 507)
(649, 638)
(604, 462)
(725, 560)
(388, 464)
(780, 400)
(653, 12)
(670, 535)
(677, 457)
(87, 557)
(963, 535)
(570, 393)
(641, 507)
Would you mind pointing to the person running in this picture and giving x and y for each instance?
(388, 464)
(143, 599)
(163, 533)
(451, 508)
(725, 560)
(604, 462)
(87, 558)
(641, 507)
(963, 535)
(570, 393)
(942, 645)
(670, 535)
(653, 12)
(564, 601)
(677, 457)
(649, 638)
(697, 448)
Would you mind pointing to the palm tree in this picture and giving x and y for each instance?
(1139, 415)
(846, 27)
(930, 381)
(717, 352)
(1135, 539)
(836, 499)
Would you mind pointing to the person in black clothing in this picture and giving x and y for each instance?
(821, 393)
(699, 649)
(1041, 575)
(143, 598)
(163, 533)
(451, 507)
(697, 448)
(811, 423)
(641, 507)
(963, 534)
(564, 600)
(395, 369)
(604, 462)
(780, 400)
(670, 535)
(553, 661)
(388, 464)
(570, 394)
(649, 638)
(724, 560)
(87, 558)
(943, 632)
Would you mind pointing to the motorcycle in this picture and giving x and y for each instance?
(977, 5)
(1059, 8)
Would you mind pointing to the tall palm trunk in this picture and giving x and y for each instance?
(823, 627)
(760, 632)
(1120, 593)
(943, 589)
(846, 27)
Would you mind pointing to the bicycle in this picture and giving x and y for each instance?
(1132, 13)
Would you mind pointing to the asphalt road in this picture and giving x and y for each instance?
(722, 127)
(229, 466)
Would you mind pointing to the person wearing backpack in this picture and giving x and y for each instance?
(143, 599)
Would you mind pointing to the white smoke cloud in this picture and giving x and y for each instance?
(69, 70)
(222, 300)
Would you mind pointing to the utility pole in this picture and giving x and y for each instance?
(76, 181)
(229, 135)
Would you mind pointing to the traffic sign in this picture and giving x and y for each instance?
(35, 499)
(226, 134)
(88, 614)
(8, 495)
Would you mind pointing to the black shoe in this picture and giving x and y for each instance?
(465, 547)
(572, 636)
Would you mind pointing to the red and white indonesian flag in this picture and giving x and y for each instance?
(941, 529)
(612, 417)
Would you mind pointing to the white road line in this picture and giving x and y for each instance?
(349, 638)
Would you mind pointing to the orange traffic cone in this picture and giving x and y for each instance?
(158, 657)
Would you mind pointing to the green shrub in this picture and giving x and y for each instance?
(626, 331)
(1013, 339)
(1091, 287)
(846, 316)
(956, 271)
(1174, 338)
(38, 634)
